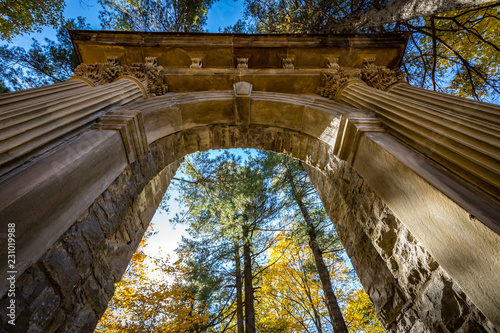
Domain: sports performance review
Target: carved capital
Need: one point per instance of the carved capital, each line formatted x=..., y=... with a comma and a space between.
x=148, y=74
x=332, y=63
x=380, y=77
x=335, y=81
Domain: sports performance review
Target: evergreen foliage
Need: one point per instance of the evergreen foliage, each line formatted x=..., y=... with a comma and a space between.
x=154, y=15
x=248, y=243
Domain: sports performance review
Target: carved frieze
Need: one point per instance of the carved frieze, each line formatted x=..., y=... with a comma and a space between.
x=242, y=63
x=148, y=74
x=196, y=62
x=380, y=77
x=288, y=63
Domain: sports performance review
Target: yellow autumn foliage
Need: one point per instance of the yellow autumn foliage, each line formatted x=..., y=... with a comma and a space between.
x=145, y=304
x=290, y=297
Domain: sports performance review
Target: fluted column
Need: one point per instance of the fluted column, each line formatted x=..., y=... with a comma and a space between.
x=35, y=120
x=459, y=107
x=463, y=142
x=461, y=139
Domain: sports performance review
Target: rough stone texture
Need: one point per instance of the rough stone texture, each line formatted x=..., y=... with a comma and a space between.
x=67, y=290
x=409, y=289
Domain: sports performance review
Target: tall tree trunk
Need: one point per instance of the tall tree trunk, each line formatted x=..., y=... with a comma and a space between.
x=317, y=316
x=336, y=317
x=239, y=290
x=332, y=304
x=249, y=292
x=400, y=11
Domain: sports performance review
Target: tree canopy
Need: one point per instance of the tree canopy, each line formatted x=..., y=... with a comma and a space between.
x=248, y=244
x=155, y=15
x=48, y=63
x=27, y=16
x=143, y=303
x=454, y=46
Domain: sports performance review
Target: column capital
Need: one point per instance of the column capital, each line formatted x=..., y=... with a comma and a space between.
x=380, y=77
x=336, y=80
x=148, y=75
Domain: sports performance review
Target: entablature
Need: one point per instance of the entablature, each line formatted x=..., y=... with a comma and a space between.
x=290, y=63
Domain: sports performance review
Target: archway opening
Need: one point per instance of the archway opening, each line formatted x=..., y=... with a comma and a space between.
x=198, y=288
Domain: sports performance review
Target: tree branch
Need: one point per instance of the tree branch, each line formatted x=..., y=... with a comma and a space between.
x=400, y=11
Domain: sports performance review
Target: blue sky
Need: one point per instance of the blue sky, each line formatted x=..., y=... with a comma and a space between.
x=222, y=14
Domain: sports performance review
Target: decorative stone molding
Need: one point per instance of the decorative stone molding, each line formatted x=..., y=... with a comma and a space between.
x=196, y=62
x=351, y=128
x=332, y=63
x=242, y=63
x=131, y=127
x=242, y=101
x=148, y=75
x=380, y=77
x=243, y=89
x=288, y=63
x=335, y=82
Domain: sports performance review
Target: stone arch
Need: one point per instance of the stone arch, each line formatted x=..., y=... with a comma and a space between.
x=68, y=286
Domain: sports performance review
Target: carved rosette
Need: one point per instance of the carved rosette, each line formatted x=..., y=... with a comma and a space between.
x=242, y=63
x=335, y=81
x=288, y=63
x=380, y=77
x=148, y=74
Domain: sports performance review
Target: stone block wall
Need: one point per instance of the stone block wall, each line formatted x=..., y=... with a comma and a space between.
x=409, y=289
x=69, y=288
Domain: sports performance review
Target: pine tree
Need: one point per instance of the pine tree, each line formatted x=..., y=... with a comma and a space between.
x=230, y=207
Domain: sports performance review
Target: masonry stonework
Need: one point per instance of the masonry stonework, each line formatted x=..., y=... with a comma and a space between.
x=69, y=288
x=409, y=289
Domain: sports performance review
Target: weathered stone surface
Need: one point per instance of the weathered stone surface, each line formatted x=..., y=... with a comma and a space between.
x=95, y=295
x=85, y=321
x=70, y=287
x=60, y=268
x=409, y=289
x=78, y=250
x=103, y=275
x=92, y=233
x=43, y=309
